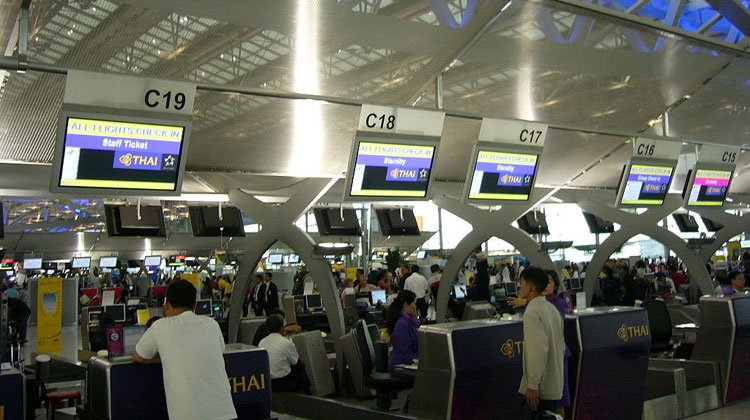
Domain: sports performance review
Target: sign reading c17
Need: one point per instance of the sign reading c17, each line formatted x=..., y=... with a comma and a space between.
x=516, y=132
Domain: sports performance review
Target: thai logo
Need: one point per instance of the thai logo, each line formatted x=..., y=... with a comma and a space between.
x=402, y=173
x=511, y=179
x=626, y=332
x=114, y=336
x=394, y=173
x=511, y=348
x=126, y=159
x=129, y=159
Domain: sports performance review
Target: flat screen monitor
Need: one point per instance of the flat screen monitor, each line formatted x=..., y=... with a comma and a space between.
x=118, y=153
x=6, y=264
x=205, y=221
x=685, y=222
x=575, y=283
x=459, y=291
x=130, y=337
x=180, y=268
x=203, y=307
x=511, y=288
x=377, y=295
x=421, y=255
x=81, y=262
x=597, y=224
x=132, y=270
x=108, y=262
x=334, y=221
x=707, y=186
x=501, y=175
x=176, y=260
x=397, y=222
x=534, y=223
x=32, y=263
x=712, y=226
x=152, y=261
x=294, y=259
x=117, y=312
x=390, y=167
x=130, y=221
x=645, y=183
x=274, y=258
x=313, y=302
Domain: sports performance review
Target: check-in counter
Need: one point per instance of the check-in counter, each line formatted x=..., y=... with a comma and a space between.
x=609, y=362
x=724, y=338
x=128, y=390
x=12, y=395
x=469, y=370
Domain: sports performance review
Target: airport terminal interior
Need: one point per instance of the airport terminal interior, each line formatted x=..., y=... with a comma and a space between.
x=358, y=198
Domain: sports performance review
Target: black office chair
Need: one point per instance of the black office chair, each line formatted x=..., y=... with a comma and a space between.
x=385, y=386
x=660, y=324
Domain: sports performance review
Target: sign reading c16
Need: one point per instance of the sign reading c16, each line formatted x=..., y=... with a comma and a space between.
x=385, y=119
x=129, y=92
x=521, y=133
x=657, y=149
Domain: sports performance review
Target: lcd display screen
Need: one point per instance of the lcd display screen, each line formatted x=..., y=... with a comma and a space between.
x=100, y=153
x=646, y=184
x=500, y=175
x=709, y=187
x=108, y=262
x=391, y=170
x=32, y=263
x=152, y=261
x=81, y=262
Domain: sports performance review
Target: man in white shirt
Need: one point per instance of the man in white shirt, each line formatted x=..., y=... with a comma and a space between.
x=190, y=349
x=417, y=284
x=543, y=344
x=287, y=370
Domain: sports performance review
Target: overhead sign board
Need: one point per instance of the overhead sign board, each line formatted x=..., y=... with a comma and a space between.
x=386, y=119
x=719, y=154
x=520, y=133
x=129, y=92
x=656, y=149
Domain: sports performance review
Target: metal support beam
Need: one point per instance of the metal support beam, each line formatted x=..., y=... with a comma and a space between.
x=674, y=12
x=734, y=12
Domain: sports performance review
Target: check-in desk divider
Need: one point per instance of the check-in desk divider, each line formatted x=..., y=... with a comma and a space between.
x=12, y=394
x=609, y=362
x=127, y=390
x=724, y=338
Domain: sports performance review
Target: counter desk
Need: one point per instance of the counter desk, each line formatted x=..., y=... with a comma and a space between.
x=12, y=395
x=128, y=390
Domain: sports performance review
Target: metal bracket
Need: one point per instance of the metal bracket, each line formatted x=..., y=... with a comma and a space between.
x=23, y=36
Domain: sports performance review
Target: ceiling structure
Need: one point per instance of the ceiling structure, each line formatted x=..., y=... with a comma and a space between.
x=599, y=72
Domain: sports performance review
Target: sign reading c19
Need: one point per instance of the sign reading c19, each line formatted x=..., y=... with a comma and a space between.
x=165, y=100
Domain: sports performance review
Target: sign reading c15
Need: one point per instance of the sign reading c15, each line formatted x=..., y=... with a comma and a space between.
x=386, y=119
x=129, y=92
x=523, y=133
x=718, y=154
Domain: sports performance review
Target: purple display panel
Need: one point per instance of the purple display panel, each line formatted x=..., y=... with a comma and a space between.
x=112, y=143
x=608, y=372
x=489, y=366
x=738, y=386
x=394, y=161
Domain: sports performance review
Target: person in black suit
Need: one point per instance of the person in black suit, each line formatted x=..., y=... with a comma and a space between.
x=256, y=295
x=269, y=293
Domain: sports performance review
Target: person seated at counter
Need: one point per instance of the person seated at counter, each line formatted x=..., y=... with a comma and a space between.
x=190, y=349
x=402, y=325
x=544, y=345
x=263, y=332
x=735, y=285
x=287, y=370
x=362, y=285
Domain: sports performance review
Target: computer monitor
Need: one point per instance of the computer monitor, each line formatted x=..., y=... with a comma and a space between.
x=421, y=255
x=313, y=302
x=575, y=284
x=108, y=262
x=117, y=312
x=81, y=262
x=152, y=261
x=32, y=263
x=130, y=337
x=274, y=258
x=294, y=259
x=203, y=307
x=377, y=295
x=511, y=288
x=459, y=291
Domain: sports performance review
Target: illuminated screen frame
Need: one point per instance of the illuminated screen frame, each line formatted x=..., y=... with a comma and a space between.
x=74, y=264
x=397, y=139
x=700, y=166
x=116, y=115
x=495, y=148
x=644, y=162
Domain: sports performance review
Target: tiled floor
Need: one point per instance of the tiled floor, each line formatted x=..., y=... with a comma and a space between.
x=732, y=412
